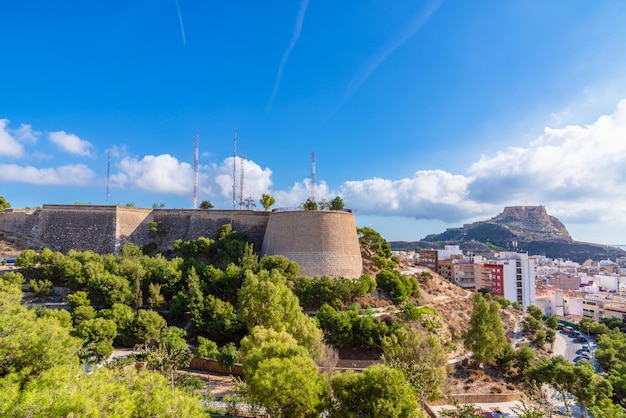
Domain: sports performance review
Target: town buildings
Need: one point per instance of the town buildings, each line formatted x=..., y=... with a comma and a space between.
x=569, y=290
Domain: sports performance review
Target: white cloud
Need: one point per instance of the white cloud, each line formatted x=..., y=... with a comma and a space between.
x=70, y=143
x=300, y=192
x=9, y=146
x=75, y=175
x=218, y=179
x=25, y=133
x=579, y=172
x=432, y=194
x=161, y=173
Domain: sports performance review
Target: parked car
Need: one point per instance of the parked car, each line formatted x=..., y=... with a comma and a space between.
x=581, y=339
x=585, y=349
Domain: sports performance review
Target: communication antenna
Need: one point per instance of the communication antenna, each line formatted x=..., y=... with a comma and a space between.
x=195, y=171
x=241, y=161
x=313, y=176
x=108, y=173
x=234, y=168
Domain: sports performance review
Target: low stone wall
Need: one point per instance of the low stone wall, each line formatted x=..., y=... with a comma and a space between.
x=465, y=398
x=210, y=365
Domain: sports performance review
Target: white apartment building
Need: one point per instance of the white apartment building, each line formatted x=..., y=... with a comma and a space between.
x=512, y=276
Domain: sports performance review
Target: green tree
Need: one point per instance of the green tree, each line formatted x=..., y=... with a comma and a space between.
x=228, y=355
x=207, y=348
x=485, y=336
x=4, y=204
x=267, y=201
x=265, y=300
x=589, y=387
x=30, y=344
x=557, y=372
x=336, y=203
x=420, y=357
x=97, y=335
x=205, y=204
x=286, y=267
x=309, y=205
x=218, y=320
x=156, y=300
x=69, y=392
x=249, y=260
x=399, y=286
x=379, y=391
x=41, y=288
x=147, y=326
x=552, y=322
x=535, y=312
x=168, y=352
x=524, y=356
x=374, y=242
x=281, y=376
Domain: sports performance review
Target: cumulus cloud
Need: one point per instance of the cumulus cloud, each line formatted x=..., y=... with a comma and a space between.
x=576, y=170
x=70, y=143
x=160, y=173
x=75, y=175
x=300, y=192
x=218, y=179
x=432, y=194
x=9, y=146
x=25, y=133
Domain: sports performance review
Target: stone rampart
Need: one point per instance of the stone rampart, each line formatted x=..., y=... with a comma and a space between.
x=321, y=242
x=80, y=227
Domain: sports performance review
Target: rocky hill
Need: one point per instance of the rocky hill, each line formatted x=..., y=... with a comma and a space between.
x=522, y=228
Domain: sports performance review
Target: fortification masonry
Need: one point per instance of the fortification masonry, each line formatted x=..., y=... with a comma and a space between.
x=322, y=242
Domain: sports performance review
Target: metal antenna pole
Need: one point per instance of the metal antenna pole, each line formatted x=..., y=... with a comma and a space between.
x=313, y=176
x=241, y=161
x=234, y=169
x=195, y=171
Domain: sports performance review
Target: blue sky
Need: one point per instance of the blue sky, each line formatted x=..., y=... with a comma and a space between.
x=422, y=114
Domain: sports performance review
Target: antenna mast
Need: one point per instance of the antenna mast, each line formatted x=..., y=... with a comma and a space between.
x=313, y=176
x=234, y=168
x=241, y=161
x=108, y=173
x=195, y=171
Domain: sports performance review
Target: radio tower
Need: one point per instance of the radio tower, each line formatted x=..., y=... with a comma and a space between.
x=313, y=176
x=195, y=171
x=108, y=173
x=241, y=161
x=234, y=168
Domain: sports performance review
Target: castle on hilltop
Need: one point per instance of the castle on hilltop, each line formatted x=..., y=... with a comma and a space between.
x=323, y=243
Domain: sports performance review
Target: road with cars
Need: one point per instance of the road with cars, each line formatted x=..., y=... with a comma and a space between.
x=577, y=346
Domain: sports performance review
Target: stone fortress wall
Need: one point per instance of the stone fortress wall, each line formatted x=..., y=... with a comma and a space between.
x=322, y=242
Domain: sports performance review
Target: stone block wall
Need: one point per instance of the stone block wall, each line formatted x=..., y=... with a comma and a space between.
x=322, y=242
x=81, y=227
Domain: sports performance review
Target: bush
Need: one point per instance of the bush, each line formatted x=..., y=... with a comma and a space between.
x=41, y=288
x=399, y=286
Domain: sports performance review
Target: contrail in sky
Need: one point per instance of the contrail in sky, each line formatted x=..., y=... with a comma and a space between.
x=292, y=43
x=375, y=60
x=180, y=18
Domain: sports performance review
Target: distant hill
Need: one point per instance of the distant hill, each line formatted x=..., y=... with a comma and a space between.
x=523, y=228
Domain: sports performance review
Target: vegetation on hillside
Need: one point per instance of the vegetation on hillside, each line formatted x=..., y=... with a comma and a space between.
x=238, y=307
